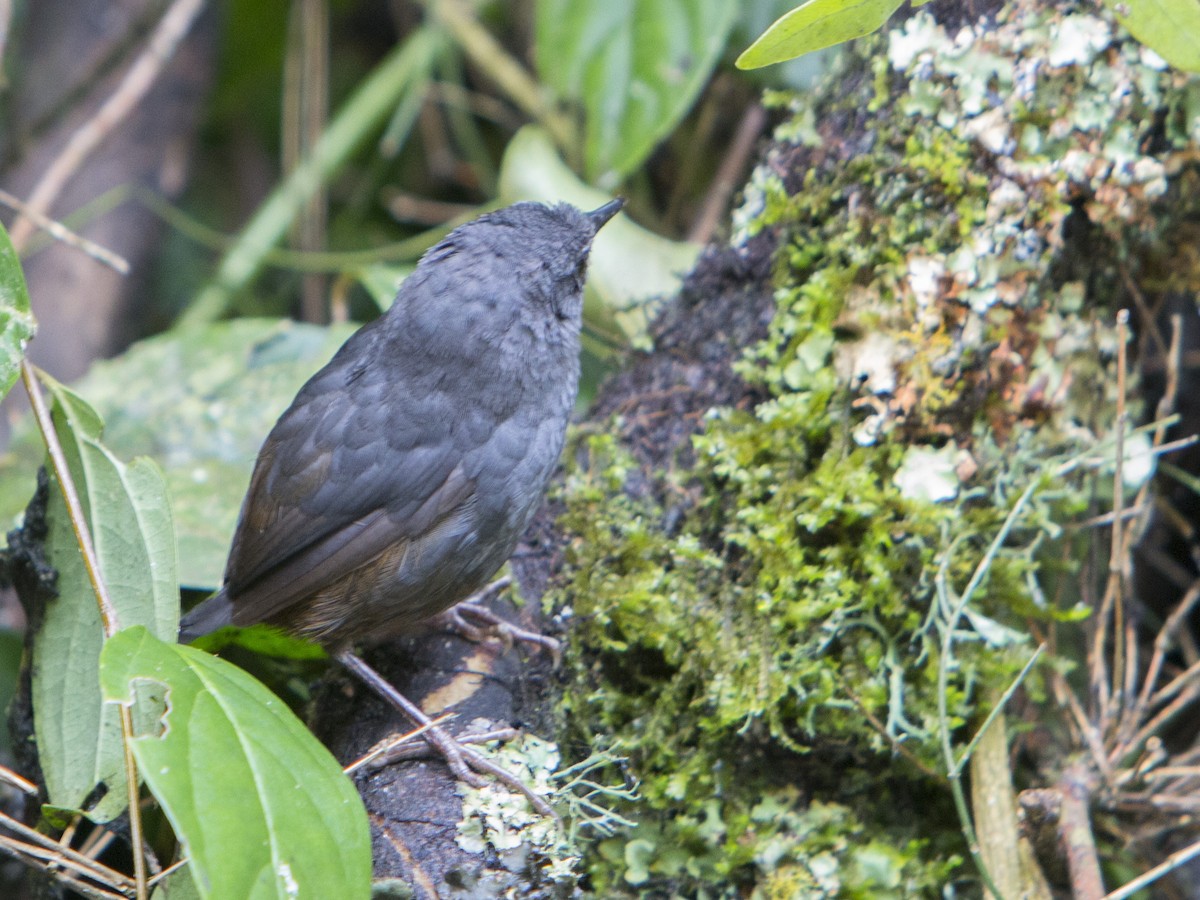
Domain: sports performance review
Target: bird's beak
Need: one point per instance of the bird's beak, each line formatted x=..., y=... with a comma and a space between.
x=605, y=212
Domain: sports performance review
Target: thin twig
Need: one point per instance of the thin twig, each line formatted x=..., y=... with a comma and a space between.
x=58, y=461
x=1130, y=691
x=97, y=841
x=66, y=856
x=390, y=744
x=965, y=757
x=53, y=865
x=305, y=110
x=1114, y=596
x=17, y=781
x=328, y=261
x=1148, y=315
x=403, y=750
x=1102, y=679
x=1154, y=802
x=6, y=14
x=1189, y=684
x=943, y=673
x=65, y=235
x=480, y=105
x=67, y=838
x=1075, y=832
x=169, y=870
x=729, y=174
x=1176, y=685
x=1166, y=403
x=1172, y=772
x=133, y=87
x=1172, y=862
x=1162, y=643
x=135, y=808
x=1133, y=714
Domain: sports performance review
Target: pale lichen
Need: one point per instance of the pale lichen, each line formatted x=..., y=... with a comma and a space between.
x=498, y=819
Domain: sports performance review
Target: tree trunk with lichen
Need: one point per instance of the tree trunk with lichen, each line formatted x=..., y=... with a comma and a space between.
x=800, y=548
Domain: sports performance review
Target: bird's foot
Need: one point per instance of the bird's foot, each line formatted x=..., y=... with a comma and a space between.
x=464, y=761
x=478, y=623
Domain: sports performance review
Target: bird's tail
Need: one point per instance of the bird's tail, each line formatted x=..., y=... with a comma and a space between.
x=215, y=612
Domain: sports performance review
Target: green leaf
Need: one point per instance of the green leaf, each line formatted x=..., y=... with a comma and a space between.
x=261, y=640
x=633, y=66
x=16, y=321
x=261, y=807
x=628, y=266
x=814, y=26
x=126, y=507
x=1171, y=28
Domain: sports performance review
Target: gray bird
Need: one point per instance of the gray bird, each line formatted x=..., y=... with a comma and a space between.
x=404, y=472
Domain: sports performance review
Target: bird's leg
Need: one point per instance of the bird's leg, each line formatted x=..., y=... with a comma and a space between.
x=487, y=624
x=461, y=759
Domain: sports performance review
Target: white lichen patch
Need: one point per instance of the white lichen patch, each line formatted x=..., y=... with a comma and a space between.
x=928, y=474
x=1077, y=39
x=924, y=278
x=871, y=363
x=1139, y=459
x=494, y=816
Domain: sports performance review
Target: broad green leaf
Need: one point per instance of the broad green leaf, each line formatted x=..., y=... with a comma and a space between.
x=816, y=25
x=200, y=405
x=629, y=265
x=126, y=507
x=262, y=808
x=1171, y=28
x=633, y=66
x=16, y=321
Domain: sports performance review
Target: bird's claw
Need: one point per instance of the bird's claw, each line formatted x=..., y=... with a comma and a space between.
x=487, y=624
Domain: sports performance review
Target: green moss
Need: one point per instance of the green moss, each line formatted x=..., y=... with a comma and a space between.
x=926, y=363
x=802, y=850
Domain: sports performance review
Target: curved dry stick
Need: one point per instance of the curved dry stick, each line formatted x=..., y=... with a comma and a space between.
x=133, y=87
x=1075, y=833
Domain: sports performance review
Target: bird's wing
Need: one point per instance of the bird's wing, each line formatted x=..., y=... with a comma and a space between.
x=323, y=561
x=348, y=471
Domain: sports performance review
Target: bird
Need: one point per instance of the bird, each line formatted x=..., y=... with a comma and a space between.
x=404, y=472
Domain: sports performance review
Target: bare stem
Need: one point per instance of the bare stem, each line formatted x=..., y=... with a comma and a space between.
x=58, y=460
